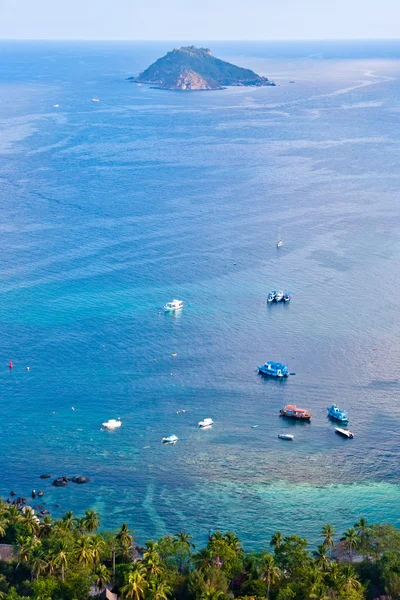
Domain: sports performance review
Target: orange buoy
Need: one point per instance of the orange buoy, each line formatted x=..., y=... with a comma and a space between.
x=11, y=364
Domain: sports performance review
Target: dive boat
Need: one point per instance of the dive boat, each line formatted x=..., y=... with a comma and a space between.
x=286, y=436
x=292, y=412
x=287, y=297
x=112, y=424
x=170, y=439
x=174, y=305
x=205, y=423
x=271, y=296
x=334, y=412
x=274, y=369
x=344, y=432
x=279, y=296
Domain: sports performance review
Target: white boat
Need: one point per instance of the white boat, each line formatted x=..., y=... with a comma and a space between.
x=279, y=243
x=286, y=436
x=56, y=105
x=205, y=423
x=174, y=305
x=112, y=424
x=170, y=439
x=344, y=433
x=95, y=100
x=279, y=296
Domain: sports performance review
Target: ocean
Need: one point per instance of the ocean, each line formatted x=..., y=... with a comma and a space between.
x=110, y=209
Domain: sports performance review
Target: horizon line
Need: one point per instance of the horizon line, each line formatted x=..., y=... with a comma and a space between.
x=346, y=39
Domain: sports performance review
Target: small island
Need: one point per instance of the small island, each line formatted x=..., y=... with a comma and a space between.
x=191, y=68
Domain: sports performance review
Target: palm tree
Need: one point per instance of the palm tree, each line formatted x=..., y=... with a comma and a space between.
x=212, y=594
x=91, y=520
x=61, y=557
x=13, y=515
x=362, y=527
x=269, y=571
x=26, y=546
x=233, y=541
x=351, y=541
x=45, y=527
x=184, y=538
x=349, y=579
x=30, y=520
x=321, y=557
x=328, y=532
x=3, y=525
x=38, y=564
x=362, y=530
x=68, y=521
x=158, y=590
x=151, y=559
x=276, y=540
x=97, y=545
x=136, y=586
x=125, y=541
x=102, y=577
x=83, y=550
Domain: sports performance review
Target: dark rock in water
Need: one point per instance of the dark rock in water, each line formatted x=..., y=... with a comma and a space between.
x=12, y=493
x=61, y=481
x=191, y=68
x=57, y=505
x=80, y=479
x=45, y=476
x=40, y=493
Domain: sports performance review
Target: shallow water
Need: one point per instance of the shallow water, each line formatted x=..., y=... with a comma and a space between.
x=109, y=210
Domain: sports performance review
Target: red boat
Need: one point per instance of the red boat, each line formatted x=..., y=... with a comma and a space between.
x=292, y=412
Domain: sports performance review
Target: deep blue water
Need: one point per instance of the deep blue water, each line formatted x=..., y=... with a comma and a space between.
x=108, y=210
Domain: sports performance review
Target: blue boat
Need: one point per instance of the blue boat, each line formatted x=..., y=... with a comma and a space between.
x=334, y=412
x=274, y=369
x=271, y=296
x=287, y=297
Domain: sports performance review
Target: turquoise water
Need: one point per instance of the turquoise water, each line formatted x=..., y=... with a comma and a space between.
x=108, y=210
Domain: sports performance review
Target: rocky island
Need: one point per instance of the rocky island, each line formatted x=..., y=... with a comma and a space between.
x=191, y=68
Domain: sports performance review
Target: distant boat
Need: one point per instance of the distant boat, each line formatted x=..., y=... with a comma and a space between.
x=285, y=436
x=271, y=296
x=292, y=412
x=170, y=439
x=279, y=296
x=56, y=105
x=279, y=243
x=344, y=433
x=334, y=412
x=287, y=297
x=112, y=424
x=174, y=305
x=205, y=423
x=274, y=369
x=95, y=100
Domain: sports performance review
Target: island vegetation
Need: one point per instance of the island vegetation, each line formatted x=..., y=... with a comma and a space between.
x=191, y=68
x=72, y=559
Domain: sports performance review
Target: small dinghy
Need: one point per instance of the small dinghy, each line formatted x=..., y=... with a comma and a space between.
x=344, y=433
x=205, y=423
x=170, y=439
x=285, y=436
x=112, y=424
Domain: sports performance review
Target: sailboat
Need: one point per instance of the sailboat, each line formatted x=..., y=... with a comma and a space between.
x=279, y=243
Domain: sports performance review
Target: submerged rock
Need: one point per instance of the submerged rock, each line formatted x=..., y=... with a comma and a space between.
x=45, y=476
x=80, y=479
x=61, y=481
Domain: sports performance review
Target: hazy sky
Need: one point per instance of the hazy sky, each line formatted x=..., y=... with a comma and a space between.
x=199, y=19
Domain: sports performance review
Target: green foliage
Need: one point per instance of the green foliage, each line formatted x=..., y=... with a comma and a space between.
x=61, y=559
